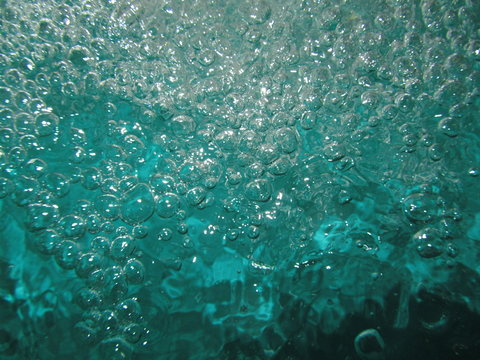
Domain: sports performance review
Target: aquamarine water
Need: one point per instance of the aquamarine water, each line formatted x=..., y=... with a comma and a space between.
x=252, y=179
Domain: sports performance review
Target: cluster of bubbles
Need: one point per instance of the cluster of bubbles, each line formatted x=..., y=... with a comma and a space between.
x=210, y=156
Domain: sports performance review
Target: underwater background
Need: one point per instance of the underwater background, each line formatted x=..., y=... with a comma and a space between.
x=251, y=179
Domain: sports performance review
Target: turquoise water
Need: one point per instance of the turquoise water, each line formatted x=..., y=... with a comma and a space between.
x=240, y=179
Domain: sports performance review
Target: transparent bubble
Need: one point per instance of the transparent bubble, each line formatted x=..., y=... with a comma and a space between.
x=26, y=190
x=94, y=224
x=448, y=126
x=139, y=231
x=132, y=333
x=474, y=171
x=183, y=125
x=168, y=205
x=138, y=204
x=35, y=168
x=17, y=156
x=134, y=271
x=88, y=263
x=73, y=226
x=267, y=153
x=369, y=344
x=428, y=243
x=83, y=207
x=5, y=96
x=100, y=245
x=420, y=207
x=256, y=11
x=7, y=138
x=129, y=310
x=115, y=349
x=133, y=146
x=404, y=102
x=226, y=140
x=280, y=166
x=190, y=172
x=24, y=124
x=108, y=227
x=92, y=178
x=162, y=183
x=88, y=298
x=47, y=30
x=334, y=151
x=111, y=186
x=46, y=124
x=122, y=247
x=165, y=234
x=67, y=254
x=435, y=152
x=79, y=56
x=109, y=322
x=57, y=184
x=458, y=66
x=127, y=183
x=249, y=141
x=13, y=78
x=6, y=118
x=258, y=190
x=42, y=216
x=122, y=170
x=182, y=228
x=336, y=100
x=450, y=93
x=30, y=142
x=46, y=242
x=196, y=195
x=6, y=187
x=85, y=334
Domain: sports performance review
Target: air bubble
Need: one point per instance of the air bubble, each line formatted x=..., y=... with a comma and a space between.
x=258, y=190
x=196, y=195
x=79, y=56
x=448, y=126
x=132, y=333
x=100, y=245
x=24, y=124
x=88, y=263
x=183, y=125
x=85, y=334
x=420, y=207
x=5, y=96
x=47, y=241
x=428, y=243
x=57, y=184
x=134, y=271
x=168, y=205
x=46, y=124
x=42, y=216
x=122, y=247
x=138, y=204
x=369, y=345
x=67, y=254
x=6, y=187
x=92, y=178
x=73, y=226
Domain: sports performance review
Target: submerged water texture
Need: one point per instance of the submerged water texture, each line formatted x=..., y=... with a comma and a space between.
x=239, y=179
